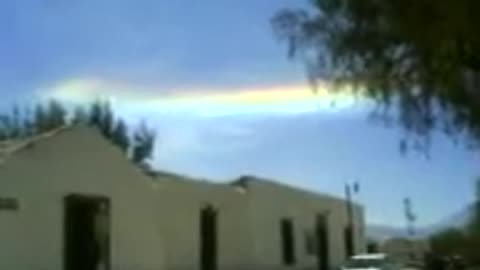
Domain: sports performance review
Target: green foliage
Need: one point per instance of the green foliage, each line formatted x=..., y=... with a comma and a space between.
x=28, y=125
x=40, y=119
x=106, y=120
x=143, y=143
x=5, y=127
x=17, y=124
x=10, y=124
x=141, y=148
x=101, y=117
x=120, y=136
x=421, y=58
x=474, y=224
x=453, y=242
x=448, y=242
x=80, y=116
x=21, y=123
x=477, y=204
x=464, y=242
x=56, y=114
x=48, y=117
x=95, y=115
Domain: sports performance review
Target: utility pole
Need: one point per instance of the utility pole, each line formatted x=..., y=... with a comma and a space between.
x=411, y=218
x=350, y=230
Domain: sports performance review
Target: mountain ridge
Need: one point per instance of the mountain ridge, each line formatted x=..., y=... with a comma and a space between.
x=456, y=220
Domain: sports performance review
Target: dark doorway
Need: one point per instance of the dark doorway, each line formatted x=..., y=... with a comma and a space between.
x=372, y=247
x=349, y=245
x=288, y=241
x=323, y=251
x=86, y=233
x=208, y=238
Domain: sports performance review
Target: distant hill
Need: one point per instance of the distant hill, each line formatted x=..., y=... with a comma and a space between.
x=456, y=220
x=383, y=232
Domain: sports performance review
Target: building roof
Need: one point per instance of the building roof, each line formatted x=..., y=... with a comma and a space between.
x=11, y=146
x=246, y=180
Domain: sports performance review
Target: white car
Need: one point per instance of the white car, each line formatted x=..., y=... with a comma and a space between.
x=377, y=261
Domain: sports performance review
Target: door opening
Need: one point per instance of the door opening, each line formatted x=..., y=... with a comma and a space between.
x=86, y=233
x=349, y=245
x=323, y=251
x=208, y=238
x=288, y=241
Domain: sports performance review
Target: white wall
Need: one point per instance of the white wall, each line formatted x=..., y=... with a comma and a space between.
x=271, y=202
x=155, y=223
x=180, y=203
x=75, y=161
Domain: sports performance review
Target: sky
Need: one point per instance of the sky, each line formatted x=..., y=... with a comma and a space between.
x=225, y=100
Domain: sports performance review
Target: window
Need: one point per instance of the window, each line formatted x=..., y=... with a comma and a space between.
x=288, y=241
x=10, y=204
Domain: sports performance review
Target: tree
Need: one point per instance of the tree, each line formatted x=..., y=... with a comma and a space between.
x=40, y=119
x=16, y=122
x=106, y=120
x=3, y=129
x=421, y=58
x=56, y=115
x=95, y=114
x=143, y=144
x=101, y=117
x=476, y=217
x=474, y=229
x=80, y=116
x=449, y=242
x=48, y=117
x=120, y=136
x=461, y=241
x=28, y=128
x=52, y=115
x=6, y=127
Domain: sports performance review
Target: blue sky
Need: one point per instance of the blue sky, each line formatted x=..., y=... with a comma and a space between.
x=210, y=76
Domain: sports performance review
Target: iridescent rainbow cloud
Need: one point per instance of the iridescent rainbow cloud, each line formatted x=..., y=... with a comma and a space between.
x=293, y=98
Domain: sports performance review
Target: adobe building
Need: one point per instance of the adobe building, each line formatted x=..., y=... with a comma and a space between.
x=70, y=200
